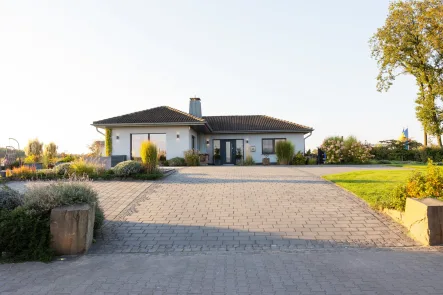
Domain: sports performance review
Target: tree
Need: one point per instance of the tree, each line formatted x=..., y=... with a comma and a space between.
x=34, y=150
x=411, y=42
x=96, y=148
x=51, y=150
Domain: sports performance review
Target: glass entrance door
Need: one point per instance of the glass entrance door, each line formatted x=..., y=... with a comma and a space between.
x=227, y=151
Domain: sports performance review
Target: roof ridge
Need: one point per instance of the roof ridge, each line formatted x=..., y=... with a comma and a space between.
x=289, y=122
x=184, y=113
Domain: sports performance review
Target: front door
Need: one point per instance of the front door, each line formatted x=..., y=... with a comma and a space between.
x=227, y=151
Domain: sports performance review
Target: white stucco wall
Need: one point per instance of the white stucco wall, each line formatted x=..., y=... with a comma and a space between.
x=174, y=147
x=256, y=140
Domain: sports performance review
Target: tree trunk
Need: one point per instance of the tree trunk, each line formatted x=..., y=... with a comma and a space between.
x=439, y=140
x=425, y=139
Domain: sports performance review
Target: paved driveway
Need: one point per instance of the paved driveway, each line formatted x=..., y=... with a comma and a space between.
x=200, y=208
x=237, y=230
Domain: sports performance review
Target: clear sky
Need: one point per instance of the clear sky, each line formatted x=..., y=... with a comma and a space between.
x=64, y=64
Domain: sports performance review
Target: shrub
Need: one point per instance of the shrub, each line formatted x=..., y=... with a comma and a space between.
x=312, y=161
x=25, y=236
x=148, y=153
x=34, y=148
x=192, y=158
x=66, y=159
x=9, y=199
x=161, y=156
x=177, y=161
x=285, y=151
x=62, y=169
x=298, y=159
x=25, y=232
x=249, y=161
x=23, y=172
x=127, y=168
x=31, y=159
x=419, y=185
x=345, y=151
x=82, y=168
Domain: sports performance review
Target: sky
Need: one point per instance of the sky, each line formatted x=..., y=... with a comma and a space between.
x=65, y=64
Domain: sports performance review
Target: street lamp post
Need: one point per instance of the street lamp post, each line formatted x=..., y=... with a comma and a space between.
x=18, y=146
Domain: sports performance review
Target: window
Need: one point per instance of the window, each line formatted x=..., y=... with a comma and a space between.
x=193, y=142
x=136, y=140
x=268, y=144
x=216, y=145
x=239, y=146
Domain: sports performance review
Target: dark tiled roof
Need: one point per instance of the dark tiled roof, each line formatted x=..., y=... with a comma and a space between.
x=252, y=123
x=157, y=115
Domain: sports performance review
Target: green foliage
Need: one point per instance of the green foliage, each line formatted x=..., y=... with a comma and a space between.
x=312, y=161
x=24, y=236
x=82, y=168
x=148, y=153
x=345, y=151
x=24, y=231
x=51, y=150
x=108, y=142
x=410, y=43
x=285, y=152
x=152, y=176
x=298, y=159
x=34, y=150
x=62, y=169
x=419, y=185
x=217, y=155
x=66, y=159
x=249, y=161
x=9, y=199
x=192, y=158
x=127, y=168
x=177, y=161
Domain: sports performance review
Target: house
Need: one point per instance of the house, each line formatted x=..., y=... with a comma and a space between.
x=175, y=131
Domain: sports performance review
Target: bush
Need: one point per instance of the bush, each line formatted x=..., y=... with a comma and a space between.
x=9, y=199
x=192, y=158
x=25, y=231
x=284, y=151
x=177, y=161
x=62, y=169
x=82, y=168
x=419, y=185
x=298, y=159
x=312, y=161
x=127, y=168
x=249, y=161
x=25, y=236
x=148, y=153
x=23, y=172
x=345, y=151
x=66, y=159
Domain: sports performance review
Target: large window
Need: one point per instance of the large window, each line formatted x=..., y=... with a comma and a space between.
x=268, y=145
x=136, y=139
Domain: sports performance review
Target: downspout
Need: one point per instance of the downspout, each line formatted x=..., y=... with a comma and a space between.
x=310, y=133
x=96, y=128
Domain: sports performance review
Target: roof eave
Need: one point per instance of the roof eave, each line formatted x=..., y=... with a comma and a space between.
x=147, y=124
x=304, y=131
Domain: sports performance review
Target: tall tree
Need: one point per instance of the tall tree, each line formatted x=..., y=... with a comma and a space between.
x=410, y=42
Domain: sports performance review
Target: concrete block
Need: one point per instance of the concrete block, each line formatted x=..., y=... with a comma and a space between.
x=424, y=220
x=72, y=229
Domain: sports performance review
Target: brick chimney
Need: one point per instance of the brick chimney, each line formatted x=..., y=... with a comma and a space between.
x=195, y=107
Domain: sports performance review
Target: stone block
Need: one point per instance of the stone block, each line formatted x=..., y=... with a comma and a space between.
x=424, y=220
x=72, y=229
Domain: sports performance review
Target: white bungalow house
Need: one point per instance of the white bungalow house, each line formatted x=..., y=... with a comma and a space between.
x=175, y=132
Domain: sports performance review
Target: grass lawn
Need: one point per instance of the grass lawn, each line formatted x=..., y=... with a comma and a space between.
x=373, y=184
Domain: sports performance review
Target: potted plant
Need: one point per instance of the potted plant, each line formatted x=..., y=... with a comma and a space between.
x=266, y=160
x=217, y=157
x=238, y=157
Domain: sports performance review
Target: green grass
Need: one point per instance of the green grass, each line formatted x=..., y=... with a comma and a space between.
x=373, y=184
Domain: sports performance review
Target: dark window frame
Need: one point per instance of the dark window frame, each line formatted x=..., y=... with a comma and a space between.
x=193, y=142
x=130, y=140
x=273, y=145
